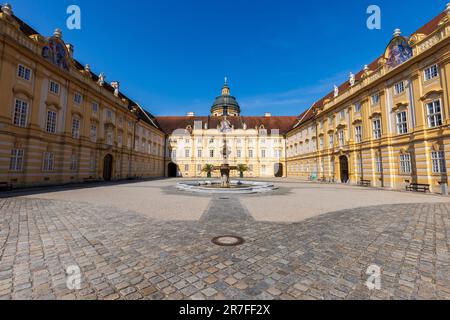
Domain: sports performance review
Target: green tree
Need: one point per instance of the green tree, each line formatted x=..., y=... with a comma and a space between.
x=208, y=168
x=242, y=168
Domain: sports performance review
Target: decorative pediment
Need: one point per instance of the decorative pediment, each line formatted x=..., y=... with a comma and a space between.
x=357, y=121
x=398, y=51
x=431, y=94
x=56, y=51
x=400, y=105
x=375, y=114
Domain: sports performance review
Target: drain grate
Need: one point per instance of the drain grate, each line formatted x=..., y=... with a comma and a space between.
x=228, y=241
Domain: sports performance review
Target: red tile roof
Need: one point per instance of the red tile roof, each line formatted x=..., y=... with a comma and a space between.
x=284, y=124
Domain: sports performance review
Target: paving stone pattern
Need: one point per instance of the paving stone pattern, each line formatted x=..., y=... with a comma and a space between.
x=125, y=255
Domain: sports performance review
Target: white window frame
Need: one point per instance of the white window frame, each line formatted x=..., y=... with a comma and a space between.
x=401, y=119
x=431, y=72
x=20, y=116
x=358, y=107
x=438, y=162
x=375, y=99
x=52, y=120
x=434, y=116
x=48, y=162
x=93, y=133
x=405, y=163
x=399, y=88
x=379, y=163
x=16, y=161
x=331, y=140
x=24, y=72
x=341, y=137
x=358, y=134
x=76, y=127
x=78, y=98
x=74, y=163
x=95, y=107
x=54, y=87
x=377, y=132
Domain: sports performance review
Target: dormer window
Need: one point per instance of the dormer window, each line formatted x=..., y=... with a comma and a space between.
x=399, y=88
x=431, y=72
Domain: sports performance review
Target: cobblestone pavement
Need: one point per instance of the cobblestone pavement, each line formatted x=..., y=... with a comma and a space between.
x=125, y=255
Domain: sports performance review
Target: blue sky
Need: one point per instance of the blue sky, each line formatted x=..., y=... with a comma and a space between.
x=280, y=56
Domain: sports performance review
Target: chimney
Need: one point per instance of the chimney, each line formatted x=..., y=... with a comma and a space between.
x=268, y=115
x=190, y=114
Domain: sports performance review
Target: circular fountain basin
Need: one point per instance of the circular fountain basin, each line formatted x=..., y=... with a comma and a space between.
x=236, y=187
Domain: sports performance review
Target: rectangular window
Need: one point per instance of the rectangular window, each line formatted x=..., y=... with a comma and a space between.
x=358, y=134
x=379, y=164
x=120, y=140
x=187, y=153
x=358, y=107
x=377, y=129
x=434, y=114
x=24, y=72
x=238, y=153
x=186, y=168
x=263, y=154
x=51, y=121
x=174, y=154
x=109, y=137
x=359, y=164
x=16, y=161
x=20, y=113
x=341, y=136
x=109, y=115
x=93, y=133
x=74, y=163
x=199, y=153
x=405, y=163
x=78, y=98
x=93, y=162
x=54, y=87
x=402, y=125
x=331, y=140
x=48, y=161
x=211, y=153
x=250, y=153
x=431, y=72
x=342, y=114
x=399, y=88
x=94, y=107
x=76, y=128
x=438, y=161
x=375, y=99
x=199, y=168
x=321, y=142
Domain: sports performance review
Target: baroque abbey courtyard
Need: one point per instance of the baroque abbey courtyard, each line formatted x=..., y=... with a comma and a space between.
x=347, y=199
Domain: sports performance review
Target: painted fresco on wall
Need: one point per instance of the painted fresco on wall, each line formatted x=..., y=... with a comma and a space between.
x=56, y=52
x=398, y=52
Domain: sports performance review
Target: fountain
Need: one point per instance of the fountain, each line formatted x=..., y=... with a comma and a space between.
x=226, y=185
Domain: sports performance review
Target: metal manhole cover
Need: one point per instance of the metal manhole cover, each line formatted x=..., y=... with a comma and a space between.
x=228, y=241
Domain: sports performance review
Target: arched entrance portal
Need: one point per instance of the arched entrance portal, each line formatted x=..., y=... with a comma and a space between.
x=343, y=162
x=172, y=170
x=278, y=169
x=107, y=167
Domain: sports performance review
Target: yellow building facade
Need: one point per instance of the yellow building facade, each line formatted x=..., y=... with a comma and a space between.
x=60, y=122
x=388, y=125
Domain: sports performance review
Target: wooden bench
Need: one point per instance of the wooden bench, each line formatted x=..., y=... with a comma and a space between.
x=365, y=183
x=418, y=187
x=90, y=180
x=5, y=186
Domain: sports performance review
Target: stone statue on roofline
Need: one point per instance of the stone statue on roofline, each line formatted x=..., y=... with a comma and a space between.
x=336, y=91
